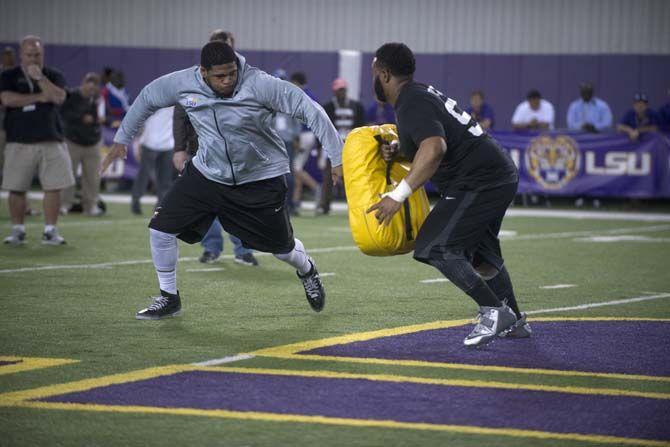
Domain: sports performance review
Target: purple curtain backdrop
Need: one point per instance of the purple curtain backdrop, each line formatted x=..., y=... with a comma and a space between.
x=505, y=79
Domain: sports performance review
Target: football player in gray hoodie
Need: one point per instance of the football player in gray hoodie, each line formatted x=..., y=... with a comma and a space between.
x=238, y=173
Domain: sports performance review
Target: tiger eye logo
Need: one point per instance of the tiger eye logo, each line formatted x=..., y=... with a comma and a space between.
x=552, y=162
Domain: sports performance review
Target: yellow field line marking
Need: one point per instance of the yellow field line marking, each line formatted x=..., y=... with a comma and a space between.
x=291, y=351
x=25, y=399
x=276, y=417
x=443, y=382
x=30, y=363
x=13, y=398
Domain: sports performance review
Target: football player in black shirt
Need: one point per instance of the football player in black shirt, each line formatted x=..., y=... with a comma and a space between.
x=477, y=181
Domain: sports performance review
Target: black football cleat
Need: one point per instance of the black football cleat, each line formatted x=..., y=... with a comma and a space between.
x=314, y=291
x=165, y=305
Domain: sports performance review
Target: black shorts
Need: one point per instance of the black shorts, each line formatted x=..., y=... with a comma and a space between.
x=254, y=212
x=468, y=221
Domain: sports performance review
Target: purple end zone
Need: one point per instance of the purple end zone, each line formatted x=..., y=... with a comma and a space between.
x=9, y=362
x=404, y=402
x=627, y=347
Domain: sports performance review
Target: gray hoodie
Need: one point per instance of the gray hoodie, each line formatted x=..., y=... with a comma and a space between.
x=237, y=140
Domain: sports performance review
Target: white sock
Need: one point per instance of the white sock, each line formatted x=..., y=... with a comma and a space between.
x=19, y=227
x=49, y=228
x=164, y=252
x=297, y=258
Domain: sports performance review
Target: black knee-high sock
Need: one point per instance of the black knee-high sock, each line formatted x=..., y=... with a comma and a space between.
x=501, y=284
x=460, y=272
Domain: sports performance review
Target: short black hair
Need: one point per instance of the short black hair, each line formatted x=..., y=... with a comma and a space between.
x=397, y=57
x=219, y=34
x=299, y=78
x=534, y=94
x=216, y=53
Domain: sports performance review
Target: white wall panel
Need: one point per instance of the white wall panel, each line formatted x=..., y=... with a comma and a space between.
x=429, y=26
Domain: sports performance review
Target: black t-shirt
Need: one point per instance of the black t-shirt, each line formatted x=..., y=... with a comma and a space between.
x=73, y=110
x=37, y=122
x=473, y=162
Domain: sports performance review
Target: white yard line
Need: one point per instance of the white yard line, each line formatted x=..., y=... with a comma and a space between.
x=512, y=212
x=587, y=233
x=105, y=265
x=559, y=286
x=239, y=357
x=327, y=274
x=570, y=234
x=605, y=303
x=224, y=360
x=213, y=269
x=430, y=281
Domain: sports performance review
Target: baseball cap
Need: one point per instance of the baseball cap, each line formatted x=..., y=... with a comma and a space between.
x=640, y=97
x=339, y=83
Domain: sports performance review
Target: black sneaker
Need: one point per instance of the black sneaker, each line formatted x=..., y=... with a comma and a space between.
x=208, y=257
x=247, y=259
x=314, y=291
x=165, y=305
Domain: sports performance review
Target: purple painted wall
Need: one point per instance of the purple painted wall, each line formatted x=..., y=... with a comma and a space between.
x=505, y=79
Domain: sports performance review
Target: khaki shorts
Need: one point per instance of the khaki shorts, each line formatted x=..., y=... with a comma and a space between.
x=51, y=161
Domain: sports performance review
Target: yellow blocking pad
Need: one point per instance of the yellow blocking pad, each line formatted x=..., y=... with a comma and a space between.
x=29, y=363
x=25, y=399
x=291, y=351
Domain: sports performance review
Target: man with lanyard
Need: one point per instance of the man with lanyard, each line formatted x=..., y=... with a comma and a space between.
x=476, y=179
x=238, y=173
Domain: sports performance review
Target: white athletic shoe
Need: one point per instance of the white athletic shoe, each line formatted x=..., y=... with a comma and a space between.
x=493, y=321
x=17, y=237
x=52, y=238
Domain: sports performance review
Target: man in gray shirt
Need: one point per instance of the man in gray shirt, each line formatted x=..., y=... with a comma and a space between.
x=238, y=172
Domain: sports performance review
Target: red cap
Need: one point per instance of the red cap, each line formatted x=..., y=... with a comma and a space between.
x=339, y=83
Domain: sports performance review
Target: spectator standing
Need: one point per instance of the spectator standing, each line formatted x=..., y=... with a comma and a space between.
x=664, y=115
x=156, y=145
x=117, y=100
x=345, y=114
x=535, y=113
x=481, y=111
x=289, y=130
x=306, y=142
x=83, y=133
x=31, y=94
x=640, y=119
x=8, y=61
x=589, y=113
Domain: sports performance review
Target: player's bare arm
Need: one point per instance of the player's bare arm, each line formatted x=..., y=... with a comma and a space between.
x=426, y=162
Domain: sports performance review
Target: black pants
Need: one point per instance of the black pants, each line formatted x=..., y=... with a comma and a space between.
x=254, y=212
x=467, y=221
x=157, y=166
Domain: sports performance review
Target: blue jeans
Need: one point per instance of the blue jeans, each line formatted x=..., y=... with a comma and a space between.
x=213, y=241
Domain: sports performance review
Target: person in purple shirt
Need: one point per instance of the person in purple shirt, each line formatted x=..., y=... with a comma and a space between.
x=379, y=113
x=664, y=115
x=640, y=119
x=480, y=111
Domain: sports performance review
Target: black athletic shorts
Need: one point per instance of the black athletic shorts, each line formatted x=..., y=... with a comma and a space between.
x=254, y=212
x=467, y=221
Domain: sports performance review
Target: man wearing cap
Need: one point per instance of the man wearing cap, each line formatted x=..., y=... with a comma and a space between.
x=346, y=114
x=535, y=113
x=588, y=113
x=640, y=119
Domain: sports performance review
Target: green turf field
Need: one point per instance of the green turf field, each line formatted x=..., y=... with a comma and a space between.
x=78, y=302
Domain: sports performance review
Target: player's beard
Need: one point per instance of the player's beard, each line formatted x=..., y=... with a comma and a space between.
x=379, y=91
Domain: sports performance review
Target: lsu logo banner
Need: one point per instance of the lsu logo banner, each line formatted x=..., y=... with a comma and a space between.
x=552, y=161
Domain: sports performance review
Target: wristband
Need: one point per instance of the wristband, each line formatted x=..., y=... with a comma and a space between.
x=400, y=193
